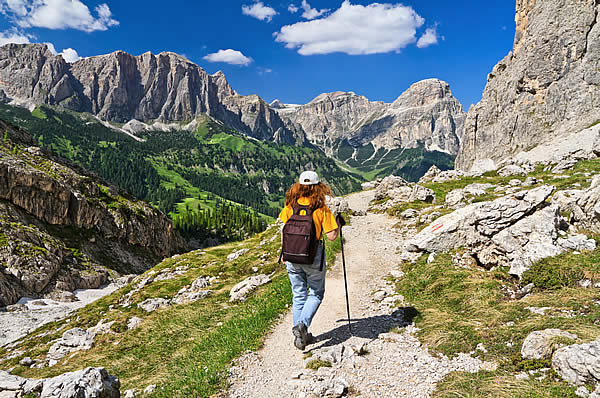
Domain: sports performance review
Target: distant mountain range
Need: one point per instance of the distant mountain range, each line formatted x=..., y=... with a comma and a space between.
x=139, y=91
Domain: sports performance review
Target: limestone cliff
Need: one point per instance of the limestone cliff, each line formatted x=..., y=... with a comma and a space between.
x=63, y=229
x=546, y=87
x=425, y=114
x=120, y=87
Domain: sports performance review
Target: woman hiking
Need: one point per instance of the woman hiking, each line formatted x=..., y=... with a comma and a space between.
x=306, y=271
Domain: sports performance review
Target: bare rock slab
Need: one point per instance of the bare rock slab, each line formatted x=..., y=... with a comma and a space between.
x=541, y=343
x=242, y=289
x=578, y=364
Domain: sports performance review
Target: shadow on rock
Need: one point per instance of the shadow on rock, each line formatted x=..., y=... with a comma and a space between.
x=366, y=328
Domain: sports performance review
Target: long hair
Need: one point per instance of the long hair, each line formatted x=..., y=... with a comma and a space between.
x=315, y=193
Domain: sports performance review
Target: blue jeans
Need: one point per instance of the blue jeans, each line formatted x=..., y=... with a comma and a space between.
x=308, y=287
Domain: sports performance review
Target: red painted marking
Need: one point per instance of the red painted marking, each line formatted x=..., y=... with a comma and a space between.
x=436, y=227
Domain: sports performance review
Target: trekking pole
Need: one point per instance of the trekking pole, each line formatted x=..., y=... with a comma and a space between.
x=342, y=222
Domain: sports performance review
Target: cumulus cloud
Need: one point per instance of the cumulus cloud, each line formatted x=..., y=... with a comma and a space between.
x=292, y=8
x=68, y=54
x=311, y=13
x=428, y=38
x=259, y=11
x=229, y=56
x=13, y=37
x=354, y=30
x=57, y=14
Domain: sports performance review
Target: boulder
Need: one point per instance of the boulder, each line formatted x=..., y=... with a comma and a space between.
x=153, y=304
x=422, y=194
x=76, y=339
x=241, y=290
x=369, y=185
x=478, y=222
x=542, y=343
x=134, y=322
x=236, y=254
x=89, y=382
x=433, y=172
x=388, y=185
x=578, y=364
x=455, y=198
x=511, y=170
x=337, y=205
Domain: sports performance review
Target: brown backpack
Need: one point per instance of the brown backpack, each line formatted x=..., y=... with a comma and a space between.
x=300, y=243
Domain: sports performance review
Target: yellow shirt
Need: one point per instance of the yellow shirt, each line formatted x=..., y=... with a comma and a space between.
x=323, y=217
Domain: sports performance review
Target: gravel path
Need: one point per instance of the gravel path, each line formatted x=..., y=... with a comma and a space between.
x=371, y=363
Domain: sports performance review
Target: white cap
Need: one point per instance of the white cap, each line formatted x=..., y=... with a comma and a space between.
x=308, y=178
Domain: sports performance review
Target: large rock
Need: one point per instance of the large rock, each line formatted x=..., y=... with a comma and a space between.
x=152, y=304
x=242, y=289
x=545, y=88
x=89, y=382
x=515, y=231
x=120, y=87
x=478, y=222
x=76, y=339
x=542, y=343
x=578, y=364
x=426, y=113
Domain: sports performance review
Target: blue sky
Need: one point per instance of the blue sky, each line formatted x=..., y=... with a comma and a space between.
x=362, y=46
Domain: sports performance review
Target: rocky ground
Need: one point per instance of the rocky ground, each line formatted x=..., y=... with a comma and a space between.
x=29, y=314
x=366, y=363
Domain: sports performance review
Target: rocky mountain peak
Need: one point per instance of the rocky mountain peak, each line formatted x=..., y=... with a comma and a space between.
x=120, y=87
x=426, y=114
x=423, y=93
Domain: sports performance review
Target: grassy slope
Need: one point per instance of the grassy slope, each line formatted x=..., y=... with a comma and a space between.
x=185, y=349
x=460, y=308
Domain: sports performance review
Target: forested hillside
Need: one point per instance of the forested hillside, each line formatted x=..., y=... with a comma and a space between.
x=214, y=182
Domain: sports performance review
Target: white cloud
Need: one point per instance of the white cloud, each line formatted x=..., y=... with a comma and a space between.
x=292, y=8
x=311, y=13
x=13, y=37
x=57, y=14
x=68, y=54
x=264, y=71
x=229, y=56
x=259, y=11
x=355, y=30
x=428, y=38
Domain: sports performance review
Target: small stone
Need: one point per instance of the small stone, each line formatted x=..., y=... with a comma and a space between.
x=380, y=295
x=27, y=361
x=134, y=322
x=397, y=274
x=130, y=393
x=150, y=389
x=582, y=392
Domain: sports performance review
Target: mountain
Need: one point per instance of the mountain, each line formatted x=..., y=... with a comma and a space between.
x=119, y=87
x=62, y=228
x=421, y=128
x=201, y=174
x=426, y=113
x=546, y=87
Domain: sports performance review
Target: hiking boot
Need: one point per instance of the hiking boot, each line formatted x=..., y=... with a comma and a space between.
x=300, y=335
x=310, y=339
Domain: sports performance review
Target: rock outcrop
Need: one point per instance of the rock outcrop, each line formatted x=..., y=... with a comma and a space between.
x=426, y=114
x=120, y=87
x=542, y=343
x=89, y=382
x=578, y=364
x=61, y=227
x=545, y=88
x=515, y=230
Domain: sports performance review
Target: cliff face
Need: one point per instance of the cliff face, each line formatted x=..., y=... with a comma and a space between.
x=120, y=87
x=426, y=114
x=548, y=86
x=62, y=229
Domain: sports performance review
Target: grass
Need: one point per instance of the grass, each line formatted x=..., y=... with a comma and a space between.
x=185, y=349
x=315, y=364
x=459, y=308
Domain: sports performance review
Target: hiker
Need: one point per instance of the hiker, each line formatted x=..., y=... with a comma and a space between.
x=305, y=257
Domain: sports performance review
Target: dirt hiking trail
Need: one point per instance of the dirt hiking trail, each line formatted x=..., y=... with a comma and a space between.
x=371, y=363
